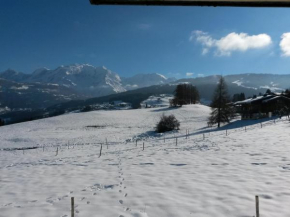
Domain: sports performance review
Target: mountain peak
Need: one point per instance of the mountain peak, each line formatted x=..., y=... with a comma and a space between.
x=145, y=80
x=162, y=76
x=88, y=79
x=10, y=71
x=12, y=75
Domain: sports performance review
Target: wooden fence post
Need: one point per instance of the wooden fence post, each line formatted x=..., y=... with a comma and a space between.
x=245, y=129
x=261, y=125
x=101, y=150
x=203, y=137
x=56, y=151
x=226, y=132
x=72, y=206
x=257, y=206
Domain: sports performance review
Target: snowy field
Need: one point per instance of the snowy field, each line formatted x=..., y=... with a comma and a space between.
x=209, y=174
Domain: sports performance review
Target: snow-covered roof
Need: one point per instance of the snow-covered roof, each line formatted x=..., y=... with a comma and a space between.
x=270, y=99
x=258, y=98
x=263, y=99
x=276, y=97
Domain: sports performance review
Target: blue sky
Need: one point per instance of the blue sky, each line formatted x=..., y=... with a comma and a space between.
x=174, y=41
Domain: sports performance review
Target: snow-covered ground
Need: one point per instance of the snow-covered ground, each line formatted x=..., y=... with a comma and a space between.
x=217, y=175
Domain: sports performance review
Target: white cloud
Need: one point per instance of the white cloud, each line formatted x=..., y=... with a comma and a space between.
x=189, y=74
x=285, y=44
x=200, y=75
x=230, y=43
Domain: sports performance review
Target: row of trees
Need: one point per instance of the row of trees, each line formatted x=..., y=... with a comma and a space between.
x=221, y=105
x=239, y=97
x=2, y=122
x=185, y=94
x=222, y=111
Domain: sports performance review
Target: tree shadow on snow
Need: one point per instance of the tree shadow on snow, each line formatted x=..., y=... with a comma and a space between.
x=152, y=133
x=234, y=125
x=165, y=109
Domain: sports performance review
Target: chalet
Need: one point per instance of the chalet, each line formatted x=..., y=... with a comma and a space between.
x=125, y=104
x=263, y=106
x=117, y=102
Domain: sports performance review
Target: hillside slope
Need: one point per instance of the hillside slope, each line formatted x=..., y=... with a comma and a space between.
x=215, y=176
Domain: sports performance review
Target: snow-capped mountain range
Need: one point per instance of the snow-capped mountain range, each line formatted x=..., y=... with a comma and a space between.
x=86, y=79
x=70, y=87
x=145, y=80
x=258, y=82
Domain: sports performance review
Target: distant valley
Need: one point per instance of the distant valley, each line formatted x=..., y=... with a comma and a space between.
x=71, y=87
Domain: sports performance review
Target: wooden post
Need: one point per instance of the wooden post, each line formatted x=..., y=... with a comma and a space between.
x=176, y=141
x=203, y=136
x=23, y=151
x=101, y=150
x=143, y=146
x=245, y=129
x=56, y=151
x=226, y=132
x=261, y=125
x=257, y=207
x=72, y=206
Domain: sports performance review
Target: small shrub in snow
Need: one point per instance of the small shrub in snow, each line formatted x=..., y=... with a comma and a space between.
x=167, y=123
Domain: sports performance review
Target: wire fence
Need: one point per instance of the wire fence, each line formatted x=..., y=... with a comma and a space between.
x=189, y=135
x=163, y=141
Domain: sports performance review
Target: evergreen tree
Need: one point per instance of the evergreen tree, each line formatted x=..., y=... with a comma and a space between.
x=2, y=122
x=221, y=110
x=185, y=94
x=268, y=91
x=242, y=97
x=239, y=97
